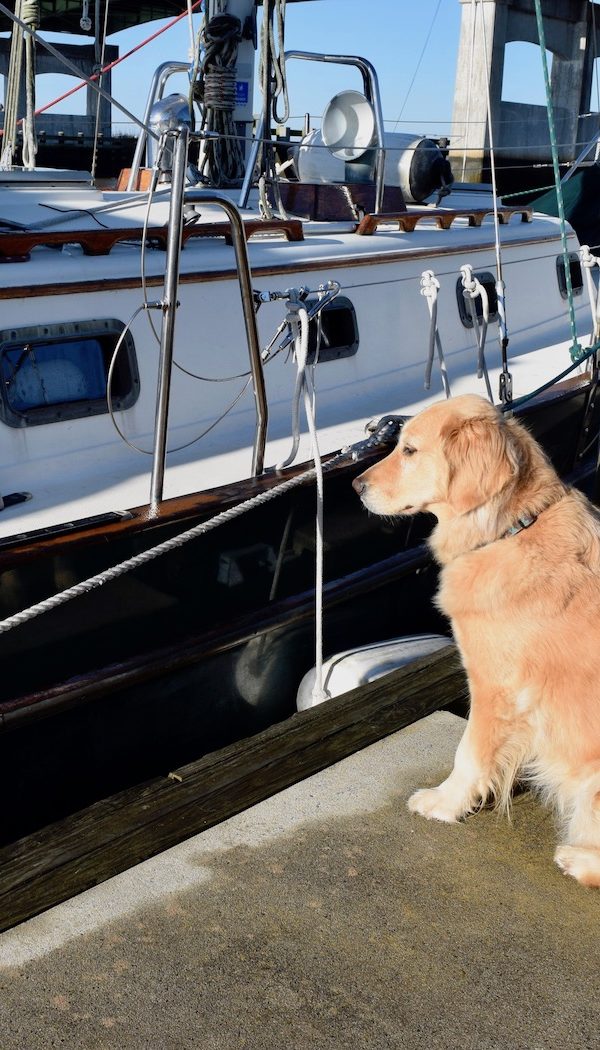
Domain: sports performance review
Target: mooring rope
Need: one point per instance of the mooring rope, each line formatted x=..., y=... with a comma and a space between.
x=222, y=159
x=473, y=289
x=22, y=43
x=519, y=401
x=430, y=287
x=31, y=15
x=138, y=560
x=299, y=322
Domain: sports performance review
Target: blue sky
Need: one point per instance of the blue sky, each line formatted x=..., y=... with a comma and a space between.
x=412, y=44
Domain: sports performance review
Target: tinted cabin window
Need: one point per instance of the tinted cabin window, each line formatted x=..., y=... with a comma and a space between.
x=339, y=331
x=574, y=270
x=54, y=372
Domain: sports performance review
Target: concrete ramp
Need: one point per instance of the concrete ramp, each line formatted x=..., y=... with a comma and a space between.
x=325, y=917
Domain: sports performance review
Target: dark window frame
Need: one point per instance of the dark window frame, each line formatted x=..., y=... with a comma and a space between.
x=335, y=351
x=105, y=331
x=577, y=283
x=487, y=279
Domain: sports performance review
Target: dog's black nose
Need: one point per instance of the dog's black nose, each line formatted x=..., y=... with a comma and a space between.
x=359, y=485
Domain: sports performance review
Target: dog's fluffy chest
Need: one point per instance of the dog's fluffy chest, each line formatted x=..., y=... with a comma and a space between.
x=471, y=585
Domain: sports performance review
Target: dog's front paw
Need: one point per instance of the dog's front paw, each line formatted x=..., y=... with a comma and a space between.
x=434, y=804
x=581, y=863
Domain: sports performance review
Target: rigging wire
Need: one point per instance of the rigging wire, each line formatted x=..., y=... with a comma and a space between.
x=116, y=62
x=111, y=408
x=100, y=53
x=469, y=88
x=505, y=376
x=418, y=65
x=575, y=347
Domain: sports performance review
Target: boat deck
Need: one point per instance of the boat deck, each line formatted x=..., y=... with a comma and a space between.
x=325, y=916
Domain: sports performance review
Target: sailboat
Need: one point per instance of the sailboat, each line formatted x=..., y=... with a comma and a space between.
x=161, y=342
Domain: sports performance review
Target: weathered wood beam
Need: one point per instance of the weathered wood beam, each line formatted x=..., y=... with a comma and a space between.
x=112, y=835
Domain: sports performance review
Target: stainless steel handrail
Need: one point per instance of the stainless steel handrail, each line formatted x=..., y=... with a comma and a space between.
x=181, y=197
x=371, y=88
x=157, y=87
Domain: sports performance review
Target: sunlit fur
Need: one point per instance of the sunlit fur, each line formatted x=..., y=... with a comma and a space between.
x=525, y=611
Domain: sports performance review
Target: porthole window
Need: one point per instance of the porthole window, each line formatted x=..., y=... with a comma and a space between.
x=574, y=270
x=59, y=371
x=489, y=283
x=339, y=331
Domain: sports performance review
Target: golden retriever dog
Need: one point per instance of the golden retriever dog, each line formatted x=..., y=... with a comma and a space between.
x=520, y=581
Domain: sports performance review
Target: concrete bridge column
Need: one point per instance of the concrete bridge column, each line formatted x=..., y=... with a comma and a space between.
x=520, y=130
x=83, y=56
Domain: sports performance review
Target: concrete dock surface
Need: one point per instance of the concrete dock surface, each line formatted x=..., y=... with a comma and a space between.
x=325, y=918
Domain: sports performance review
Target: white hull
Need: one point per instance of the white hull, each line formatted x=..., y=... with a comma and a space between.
x=80, y=467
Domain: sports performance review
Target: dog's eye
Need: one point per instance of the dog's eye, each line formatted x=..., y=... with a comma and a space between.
x=409, y=450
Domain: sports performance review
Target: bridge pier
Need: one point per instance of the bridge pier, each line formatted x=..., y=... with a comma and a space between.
x=520, y=130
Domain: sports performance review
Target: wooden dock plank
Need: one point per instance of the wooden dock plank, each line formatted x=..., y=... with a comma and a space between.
x=110, y=836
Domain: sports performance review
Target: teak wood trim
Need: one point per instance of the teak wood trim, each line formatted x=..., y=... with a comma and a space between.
x=110, y=836
x=295, y=266
x=16, y=247
x=443, y=218
x=143, y=180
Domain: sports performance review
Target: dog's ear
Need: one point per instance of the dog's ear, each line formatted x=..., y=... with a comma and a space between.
x=482, y=458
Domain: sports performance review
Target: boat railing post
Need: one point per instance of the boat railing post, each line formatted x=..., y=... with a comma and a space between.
x=172, y=263
x=250, y=166
x=195, y=196
x=371, y=86
x=180, y=197
x=159, y=79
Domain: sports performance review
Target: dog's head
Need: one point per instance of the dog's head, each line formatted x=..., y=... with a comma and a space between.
x=450, y=459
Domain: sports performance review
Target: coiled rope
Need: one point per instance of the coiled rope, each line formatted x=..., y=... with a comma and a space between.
x=272, y=61
x=22, y=43
x=222, y=159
